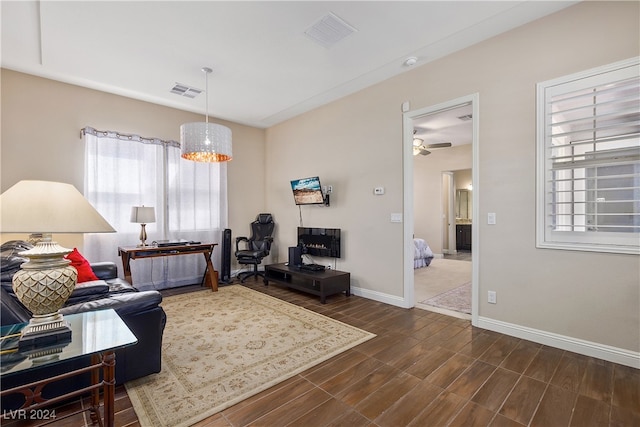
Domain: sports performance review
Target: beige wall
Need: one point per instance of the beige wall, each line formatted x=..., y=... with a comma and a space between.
x=356, y=144
x=41, y=122
x=463, y=179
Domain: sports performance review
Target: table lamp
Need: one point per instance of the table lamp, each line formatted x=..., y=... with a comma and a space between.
x=45, y=282
x=143, y=215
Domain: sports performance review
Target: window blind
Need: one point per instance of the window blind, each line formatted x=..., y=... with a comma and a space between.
x=591, y=158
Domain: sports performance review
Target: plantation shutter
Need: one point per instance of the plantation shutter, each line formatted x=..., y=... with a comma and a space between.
x=592, y=159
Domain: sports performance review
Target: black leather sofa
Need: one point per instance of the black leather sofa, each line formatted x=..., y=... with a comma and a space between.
x=140, y=311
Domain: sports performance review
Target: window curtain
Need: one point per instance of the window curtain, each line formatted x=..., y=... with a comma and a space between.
x=190, y=201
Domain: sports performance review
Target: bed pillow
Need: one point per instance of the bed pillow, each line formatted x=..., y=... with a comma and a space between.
x=85, y=273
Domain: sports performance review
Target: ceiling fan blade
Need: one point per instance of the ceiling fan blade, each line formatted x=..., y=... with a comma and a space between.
x=439, y=145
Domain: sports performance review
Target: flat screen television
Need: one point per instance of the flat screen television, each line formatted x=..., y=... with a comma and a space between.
x=307, y=191
x=323, y=242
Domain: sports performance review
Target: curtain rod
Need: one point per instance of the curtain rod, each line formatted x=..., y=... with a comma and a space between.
x=126, y=137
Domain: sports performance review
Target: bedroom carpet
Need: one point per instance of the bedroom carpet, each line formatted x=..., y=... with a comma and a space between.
x=222, y=347
x=441, y=276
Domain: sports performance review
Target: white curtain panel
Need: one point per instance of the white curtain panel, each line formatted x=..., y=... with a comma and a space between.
x=190, y=200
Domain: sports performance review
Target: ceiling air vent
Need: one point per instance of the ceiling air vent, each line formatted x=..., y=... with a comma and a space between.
x=329, y=30
x=466, y=117
x=184, y=90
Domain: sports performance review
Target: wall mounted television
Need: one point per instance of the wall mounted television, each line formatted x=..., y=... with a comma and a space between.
x=307, y=191
x=323, y=242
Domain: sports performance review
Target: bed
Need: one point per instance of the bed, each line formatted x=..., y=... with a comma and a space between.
x=422, y=255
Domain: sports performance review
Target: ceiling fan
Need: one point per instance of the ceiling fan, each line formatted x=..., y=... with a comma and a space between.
x=419, y=147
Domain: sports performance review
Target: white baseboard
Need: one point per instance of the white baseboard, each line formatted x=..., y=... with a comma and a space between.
x=380, y=297
x=576, y=345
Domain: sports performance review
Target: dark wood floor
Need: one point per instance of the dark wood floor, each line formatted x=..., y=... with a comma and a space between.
x=427, y=369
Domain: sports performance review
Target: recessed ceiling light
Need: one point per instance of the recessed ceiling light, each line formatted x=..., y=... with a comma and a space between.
x=410, y=61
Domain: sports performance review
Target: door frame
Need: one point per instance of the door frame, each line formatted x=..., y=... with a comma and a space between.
x=408, y=204
x=450, y=217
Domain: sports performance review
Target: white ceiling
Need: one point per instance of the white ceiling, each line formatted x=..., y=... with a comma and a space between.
x=265, y=69
x=450, y=125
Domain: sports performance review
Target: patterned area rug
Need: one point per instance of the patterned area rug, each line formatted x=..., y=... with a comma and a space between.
x=456, y=299
x=222, y=347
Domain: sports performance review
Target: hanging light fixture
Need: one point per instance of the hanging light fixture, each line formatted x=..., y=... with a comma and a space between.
x=205, y=142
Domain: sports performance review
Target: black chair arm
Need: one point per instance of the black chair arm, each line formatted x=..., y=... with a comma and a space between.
x=267, y=244
x=132, y=302
x=88, y=291
x=105, y=270
x=12, y=310
x=240, y=239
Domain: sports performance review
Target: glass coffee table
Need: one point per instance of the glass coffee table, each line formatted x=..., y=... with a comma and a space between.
x=96, y=334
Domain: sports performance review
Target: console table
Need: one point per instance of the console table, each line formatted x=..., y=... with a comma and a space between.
x=210, y=278
x=97, y=334
x=321, y=283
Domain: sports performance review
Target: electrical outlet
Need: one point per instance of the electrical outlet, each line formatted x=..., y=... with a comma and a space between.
x=328, y=266
x=492, y=297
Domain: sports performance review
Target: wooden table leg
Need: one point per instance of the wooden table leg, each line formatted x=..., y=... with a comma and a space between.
x=109, y=379
x=126, y=266
x=212, y=274
x=95, y=393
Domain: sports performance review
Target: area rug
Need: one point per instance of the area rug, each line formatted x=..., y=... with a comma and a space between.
x=456, y=299
x=220, y=348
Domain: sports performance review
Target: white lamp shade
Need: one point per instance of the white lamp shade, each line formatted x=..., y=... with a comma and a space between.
x=143, y=214
x=205, y=142
x=48, y=207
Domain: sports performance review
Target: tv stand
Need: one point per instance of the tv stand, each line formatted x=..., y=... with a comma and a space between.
x=321, y=283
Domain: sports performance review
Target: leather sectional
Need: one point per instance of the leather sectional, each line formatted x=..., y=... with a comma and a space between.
x=141, y=311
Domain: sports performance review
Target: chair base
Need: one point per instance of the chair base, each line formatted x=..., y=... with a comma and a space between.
x=255, y=273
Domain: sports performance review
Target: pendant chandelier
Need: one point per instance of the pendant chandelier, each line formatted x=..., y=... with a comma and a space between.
x=205, y=142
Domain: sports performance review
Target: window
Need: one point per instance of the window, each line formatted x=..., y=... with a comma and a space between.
x=589, y=160
x=189, y=198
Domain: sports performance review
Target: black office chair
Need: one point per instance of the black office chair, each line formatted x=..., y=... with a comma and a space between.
x=257, y=246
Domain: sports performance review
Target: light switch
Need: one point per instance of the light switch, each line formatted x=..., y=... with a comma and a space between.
x=491, y=218
x=378, y=191
x=396, y=217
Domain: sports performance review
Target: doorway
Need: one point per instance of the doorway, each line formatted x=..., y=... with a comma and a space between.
x=460, y=215
x=437, y=227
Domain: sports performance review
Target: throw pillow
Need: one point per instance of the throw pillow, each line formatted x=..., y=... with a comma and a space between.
x=85, y=273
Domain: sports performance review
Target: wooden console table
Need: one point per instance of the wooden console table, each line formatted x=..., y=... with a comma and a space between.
x=321, y=283
x=129, y=253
